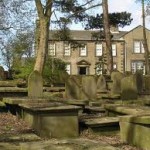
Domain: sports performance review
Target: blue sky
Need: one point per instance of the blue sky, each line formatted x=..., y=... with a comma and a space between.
x=123, y=5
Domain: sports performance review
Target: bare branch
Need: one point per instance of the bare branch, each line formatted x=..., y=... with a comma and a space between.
x=40, y=9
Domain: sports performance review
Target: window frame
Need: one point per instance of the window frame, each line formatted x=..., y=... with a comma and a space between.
x=68, y=64
x=97, y=53
x=141, y=47
x=68, y=48
x=135, y=62
x=114, y=50
x=81, y=48
x=52, y=52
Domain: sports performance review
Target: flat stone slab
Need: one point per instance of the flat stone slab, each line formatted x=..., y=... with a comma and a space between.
x=48, y=107
x=127, y=110
x=77, y=102
x=16, y=100
x=13, y=89
x=102, y=121
x=94, y=109
x=54, y=144
x=26, y=137
x=138, y=119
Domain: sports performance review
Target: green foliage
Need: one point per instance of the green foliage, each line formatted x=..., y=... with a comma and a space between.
x=100, y=65
x=115, y=19
x=54, y=70
x=22, y=71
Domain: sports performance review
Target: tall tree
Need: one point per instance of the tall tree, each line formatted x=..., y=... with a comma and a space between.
x=107, y=36
x=44, y=14
x=145, y=45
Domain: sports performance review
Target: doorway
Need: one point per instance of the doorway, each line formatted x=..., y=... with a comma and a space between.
x=82, y=70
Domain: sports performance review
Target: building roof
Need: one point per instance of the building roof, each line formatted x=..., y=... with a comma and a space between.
x=86, y=35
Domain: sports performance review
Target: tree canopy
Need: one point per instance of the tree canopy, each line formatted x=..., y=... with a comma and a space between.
x=119, y=19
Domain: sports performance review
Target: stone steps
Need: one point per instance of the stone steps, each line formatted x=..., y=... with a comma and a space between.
x=101, y=125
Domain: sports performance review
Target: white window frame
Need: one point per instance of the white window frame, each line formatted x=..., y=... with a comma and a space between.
x=68, y=68
x=52, y=49
x=99, y=49
x=135, y=65
x=83, y=50
x=98, y=71
x=138, y=47
x=114, y=66
x=67, y=49
x=114, y=50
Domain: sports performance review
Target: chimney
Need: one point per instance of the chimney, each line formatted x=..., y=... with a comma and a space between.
x=114, y=29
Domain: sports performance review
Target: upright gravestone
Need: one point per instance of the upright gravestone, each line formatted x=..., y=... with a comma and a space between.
x=129, y=88
x=89, y=87
x=73, y=87
x=116, y=78
x=139, y=81
x=35, y=85
x=147, y=84
x=2, y=75
x=101, y=84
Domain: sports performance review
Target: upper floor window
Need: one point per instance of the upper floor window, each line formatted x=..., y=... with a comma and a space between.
x=138, y=47
x=99, y=49
x=83, y=50
x=67, y=50
x=68, y=68
x=52, y=49
x=114, y=50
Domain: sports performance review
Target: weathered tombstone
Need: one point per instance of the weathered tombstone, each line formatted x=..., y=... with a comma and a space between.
x=129, y=88
x=35, y=85
x=147, y=84
x=139, y=81
x=101, y=84
x=89, y=87
x=81, y=87
x=73, y=87
x=2, y=75
x=116, y=78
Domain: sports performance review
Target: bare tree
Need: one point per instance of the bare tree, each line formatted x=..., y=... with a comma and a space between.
x=145, y=45
x=107, y=37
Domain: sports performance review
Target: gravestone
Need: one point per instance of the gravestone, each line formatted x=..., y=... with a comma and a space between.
x=89, y=87
x=81, y=87
x=116, y=78
x=35, y=85
x=73, y=87
x=129, y=88
x=139, y=81
x=2, y=75
x=147, y=84
x=101, y=84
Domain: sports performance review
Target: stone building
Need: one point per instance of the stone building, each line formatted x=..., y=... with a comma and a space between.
x=127, y=51
x=134, y=51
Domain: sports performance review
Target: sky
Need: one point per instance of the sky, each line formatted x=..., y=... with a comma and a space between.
x=124, y=5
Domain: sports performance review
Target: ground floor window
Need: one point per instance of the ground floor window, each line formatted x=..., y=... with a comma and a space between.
x=68, y=68
x=137, y=65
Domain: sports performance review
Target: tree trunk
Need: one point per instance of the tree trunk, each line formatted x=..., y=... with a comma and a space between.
x=145, y=45
x=44, y=14
x=107, y=37
x=42, y=46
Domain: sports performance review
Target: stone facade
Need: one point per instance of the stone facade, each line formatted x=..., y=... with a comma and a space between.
x=88, y=62
x=132, y=58
x=125, y=43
